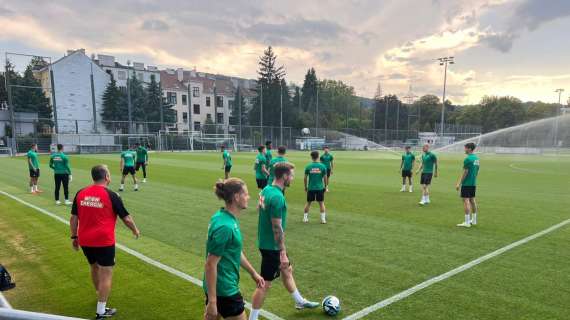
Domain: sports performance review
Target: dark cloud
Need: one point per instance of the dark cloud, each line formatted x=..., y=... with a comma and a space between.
x=5, y=11
x=397, y=76
x=502, y=41
x=294, y=30
x=155, y=25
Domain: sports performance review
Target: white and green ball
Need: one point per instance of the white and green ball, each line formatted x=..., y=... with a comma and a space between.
x=331, y=305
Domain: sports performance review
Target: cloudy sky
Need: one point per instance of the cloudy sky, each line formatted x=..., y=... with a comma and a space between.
x=501, y=47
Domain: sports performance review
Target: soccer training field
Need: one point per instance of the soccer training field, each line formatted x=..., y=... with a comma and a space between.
x=378, y=241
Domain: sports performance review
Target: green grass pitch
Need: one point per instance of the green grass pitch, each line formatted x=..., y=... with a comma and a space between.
x=378, y=241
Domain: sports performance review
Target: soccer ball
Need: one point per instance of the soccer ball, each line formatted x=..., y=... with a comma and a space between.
x=331, y=305
x=306, y=131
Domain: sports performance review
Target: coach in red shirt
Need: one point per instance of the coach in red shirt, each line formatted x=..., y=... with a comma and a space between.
x=93, y=219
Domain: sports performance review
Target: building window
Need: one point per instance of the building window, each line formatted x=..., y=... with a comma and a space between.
x=197, y=126
x=195, y=92
x=184, y=99
x=220, y=117
x=185, y=117
x=219, y=102
x=196, y=109
x=209, y=117
x=231, y=104
x=122, y=75
x=207, y=101
x=171, y=97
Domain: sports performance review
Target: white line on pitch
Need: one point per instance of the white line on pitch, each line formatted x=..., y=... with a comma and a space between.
x=406, y=293
x=138, y=255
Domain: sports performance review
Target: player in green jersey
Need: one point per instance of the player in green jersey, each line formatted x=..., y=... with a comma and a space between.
x=406, y=168
x=268, y=154
x=128, y=167
x=328, y=160
x=280, y=158
x=34, y=168
x=59, y=162
x=271, y=240
x=227, y=157
x=315, y=185
x=142, y=159
x=468, y=184
x=428, y=168
x=225, y=256
x=260, y=167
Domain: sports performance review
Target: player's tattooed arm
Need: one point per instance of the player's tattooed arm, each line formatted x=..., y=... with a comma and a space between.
x=278, y=233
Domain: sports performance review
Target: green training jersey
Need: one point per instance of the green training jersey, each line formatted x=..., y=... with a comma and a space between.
x=225, y=241
x=268, y=156
x=128, y=158
x=272, y=168
x=316, y=171
x=142, y=154
x=33, y=157
x=428, y=160
x=327, y=159
x=408, y=158
x=59, y=162
x=260, y=161
x=272, y=204
x=471, y=164
x=227, y=158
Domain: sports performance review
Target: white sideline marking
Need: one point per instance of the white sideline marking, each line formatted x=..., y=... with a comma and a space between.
x=3, y=302
x=138, y=255
x=406, y=293
x=513, y=166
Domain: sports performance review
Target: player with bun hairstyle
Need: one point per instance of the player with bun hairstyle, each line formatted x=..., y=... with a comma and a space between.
x=224, y=254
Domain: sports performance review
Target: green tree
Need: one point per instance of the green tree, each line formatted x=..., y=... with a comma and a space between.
x=429, y=110
x=540, y=110
x=309, y=91
x=236, y=108
x=152, y=104
x=501, y=112
x=114, y=105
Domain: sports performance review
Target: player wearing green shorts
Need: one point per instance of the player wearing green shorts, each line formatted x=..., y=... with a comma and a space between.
x=128, y=167
x=280, y=158
x=142, y=159
x=34, y=168
x=315, y=186
x=260, y=167
x=224, y=255
x=271, y=240
x=406, y=168
x=429, y=169
x=328, y=160
x=467, y=183
x=227, y=157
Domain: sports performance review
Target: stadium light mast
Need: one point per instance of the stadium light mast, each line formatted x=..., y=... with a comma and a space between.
x=444, y=61
x=559, y=91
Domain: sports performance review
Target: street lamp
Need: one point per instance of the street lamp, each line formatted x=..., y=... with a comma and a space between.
x=559, y=91
x=444, y=61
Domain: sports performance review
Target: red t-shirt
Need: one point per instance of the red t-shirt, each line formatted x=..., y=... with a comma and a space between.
x=97, y=209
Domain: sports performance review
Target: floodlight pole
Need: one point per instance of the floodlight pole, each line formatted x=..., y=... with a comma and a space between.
x=281, y=117
x=261, y=111
x=559, y=91
x=444, y=61
x=317, y=120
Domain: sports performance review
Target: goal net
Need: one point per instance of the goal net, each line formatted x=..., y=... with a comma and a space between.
x=195, y=141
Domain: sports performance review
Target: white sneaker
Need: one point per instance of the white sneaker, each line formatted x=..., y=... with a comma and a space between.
x=428, y=201
x=464, y=225
x=411, y=189
x=473, y=223
x=136, y=188
x=323, y=221
x=144, y=180
x=57, y=203
x=403, y=189
x=68, y=203
x=305, y=220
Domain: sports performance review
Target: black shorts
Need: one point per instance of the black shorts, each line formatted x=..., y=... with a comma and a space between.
x=270, y=264
x=329, y=170
x=129, y=170
x=103, y=256
x=468, y=191
x=316, y=195
x=228, y=168
x=231, y=306
x=406, y=173
x=34, y=173
x=261, y=183
x=426, y=178
x=140, y=164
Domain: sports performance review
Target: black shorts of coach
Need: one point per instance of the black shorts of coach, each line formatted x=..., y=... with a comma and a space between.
x=426, y=178
x=34, y=173
x=316, y=195
x=406, y=173
x=231, y=306
x=261, y=183
x=270, y=264
x=140, y=164
x=468, y=192
x=103, y=256
x=129, y=170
